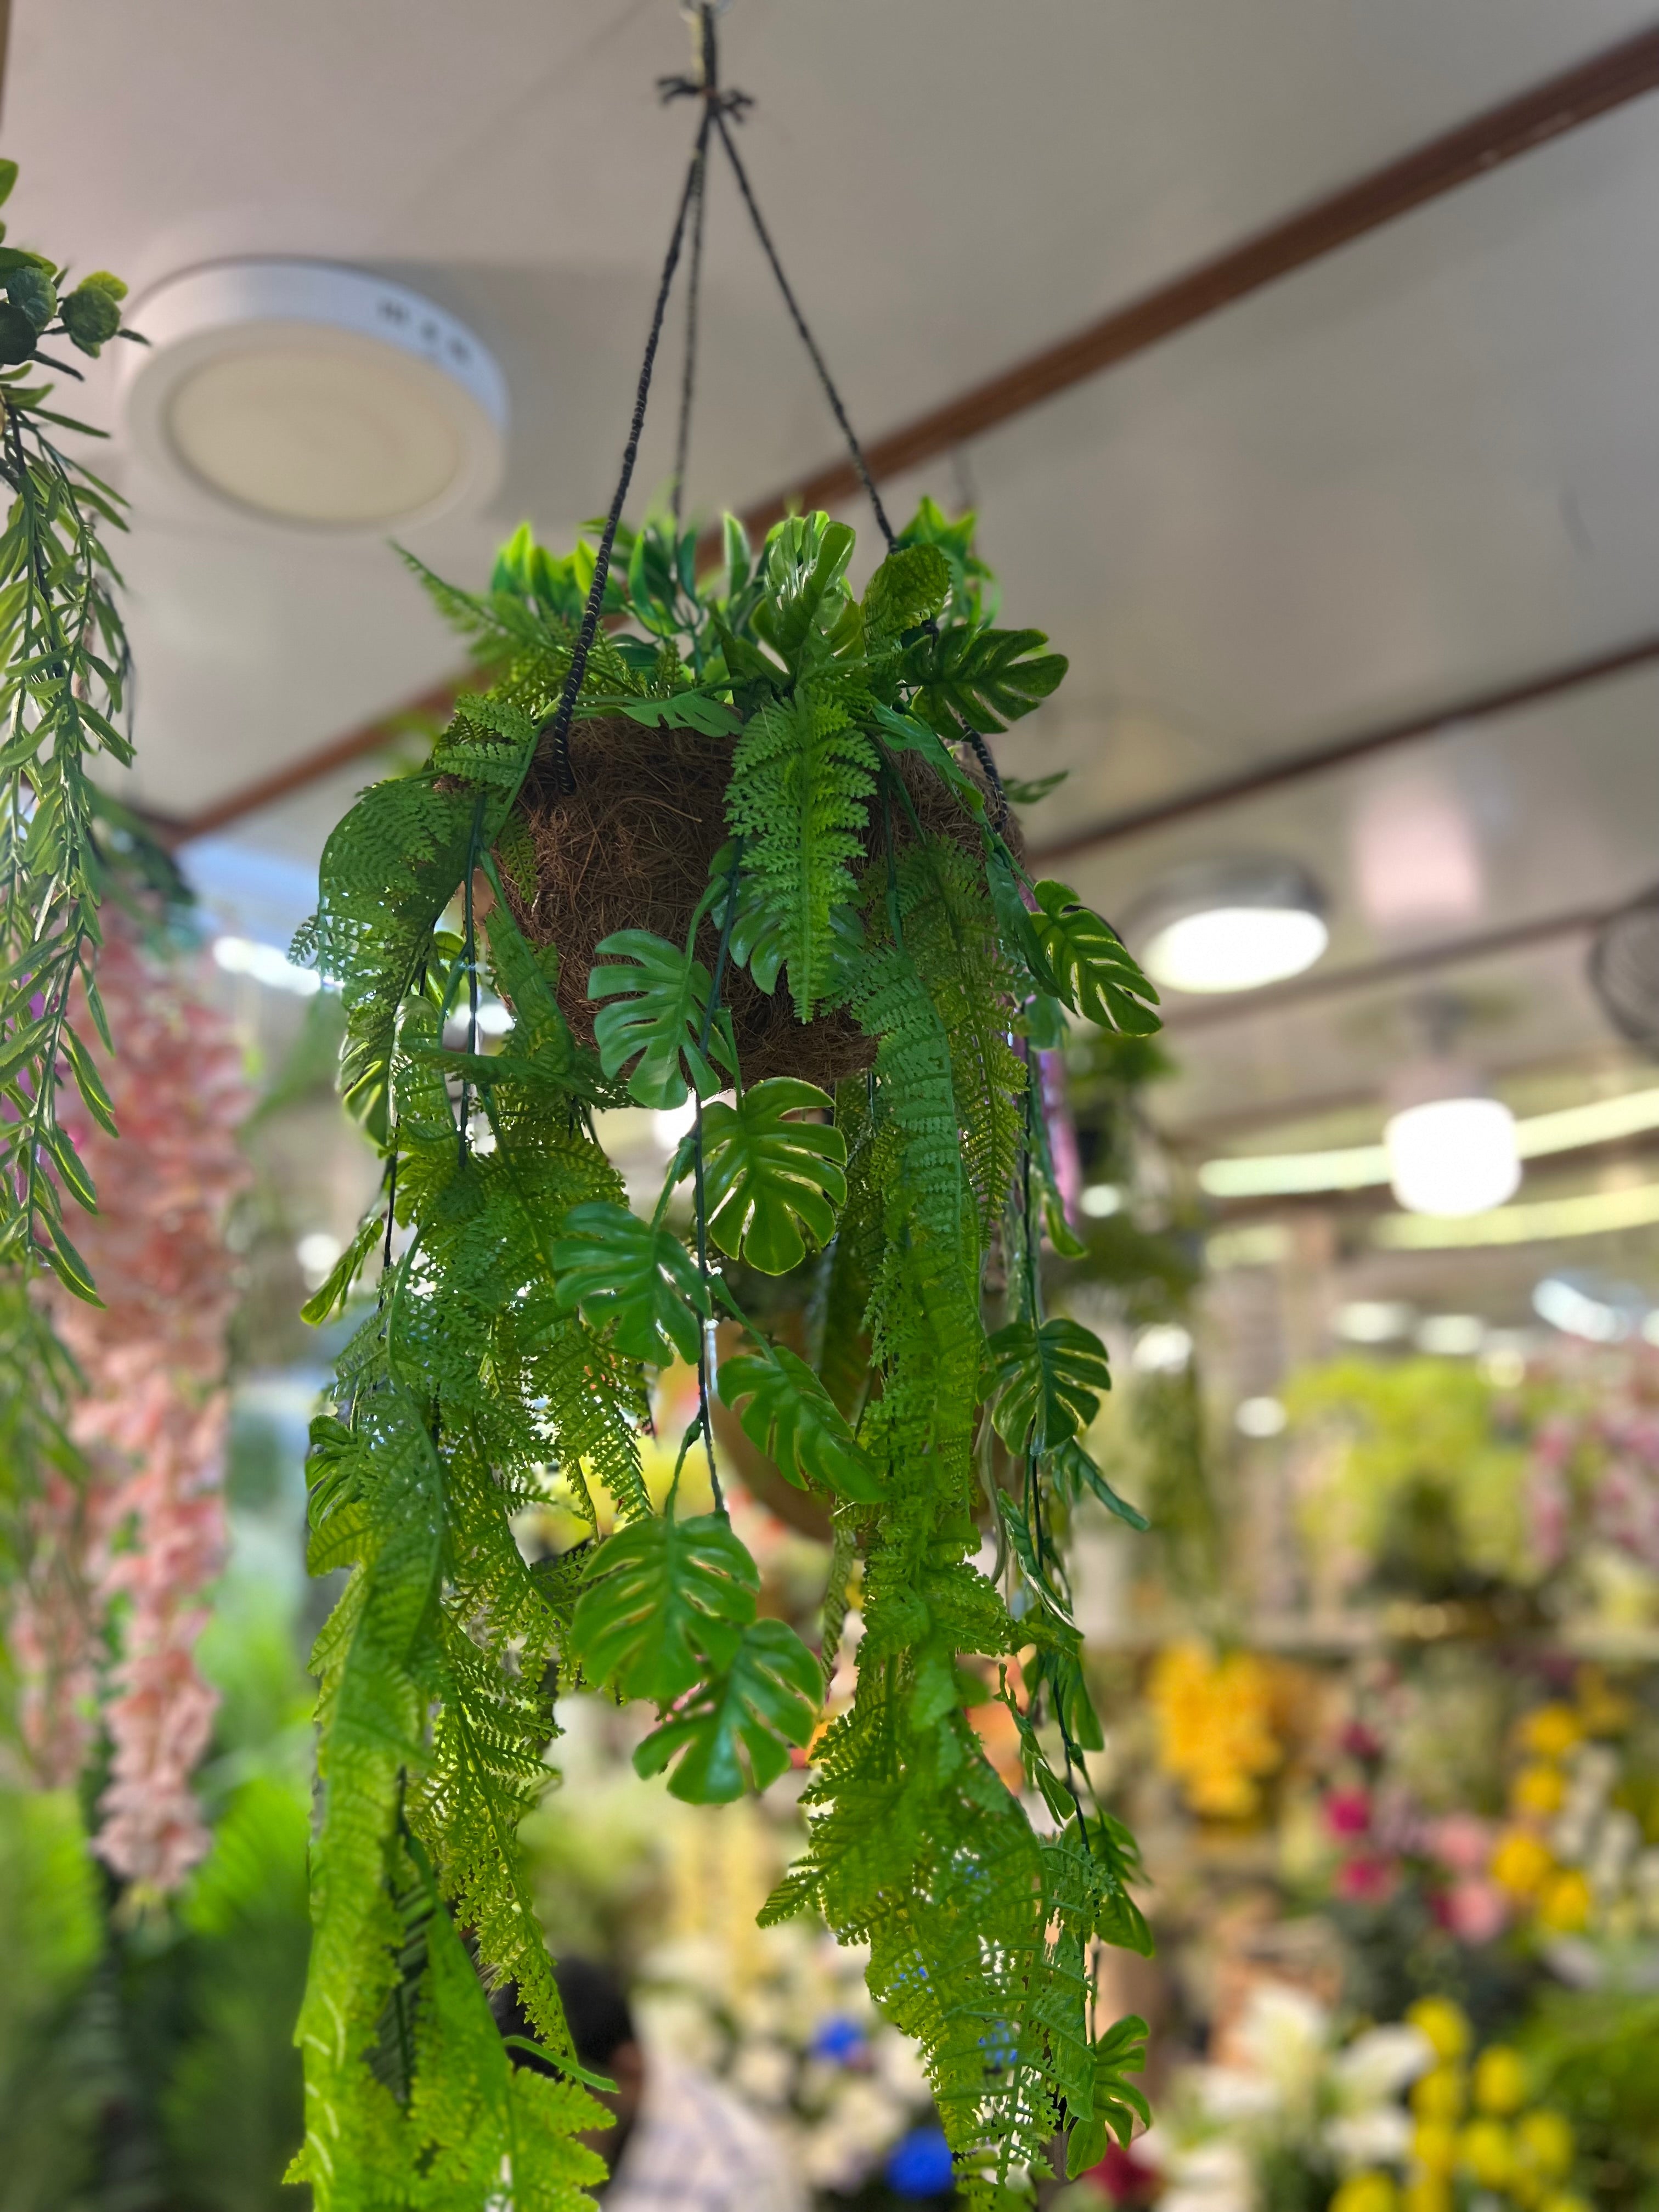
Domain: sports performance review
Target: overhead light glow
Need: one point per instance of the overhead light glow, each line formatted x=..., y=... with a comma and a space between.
x=1261, y=1418
x=1565, y=1306
x=1235, y=948
x=1452, y=1336
x=1357, y=1167
x=1453, y=1157
x=1162, y=1349
x=1594, y=1214
x=1375, y=1321
x=1101, y=1198
x=316, y=1252
x=242, y=956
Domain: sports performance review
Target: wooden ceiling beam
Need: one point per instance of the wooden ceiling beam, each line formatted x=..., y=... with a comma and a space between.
x=1515, y=127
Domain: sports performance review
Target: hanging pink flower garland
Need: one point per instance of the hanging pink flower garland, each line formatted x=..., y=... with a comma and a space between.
x=153, y=1419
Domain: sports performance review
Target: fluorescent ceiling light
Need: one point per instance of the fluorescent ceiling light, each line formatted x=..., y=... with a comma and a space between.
x=1229, y=926
x=1357, y=1167
x=241, y=956
x=1453, y=1156
x=1538, y=1222
x=310, y=394
x=1452, y=1336
x=1565, y=1306
x=1374, y=1321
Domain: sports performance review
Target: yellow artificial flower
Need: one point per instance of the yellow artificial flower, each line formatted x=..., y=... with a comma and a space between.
x=1566, y=1904
x=1434, y=2146
x=1564, y=2200
x=1215, y=1727
x=1500, y=2080
x=1485, y=2149
x=1551, y=1731
x=1445, y=2025
x=1521, y=1862
x=1372, y=2190
x=1427, y=2192
x=1538, y=1789
x=1603, y=1710
x=1438, y=2095
x=1544, y=2141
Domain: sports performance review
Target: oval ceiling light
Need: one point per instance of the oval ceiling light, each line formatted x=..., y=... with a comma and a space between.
x=1231, y=926
x=305, y=394
x=1453, y=1156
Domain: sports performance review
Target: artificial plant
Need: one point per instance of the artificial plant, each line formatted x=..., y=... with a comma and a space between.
x=859, y=900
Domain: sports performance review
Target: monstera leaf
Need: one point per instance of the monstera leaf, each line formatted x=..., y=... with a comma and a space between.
x=988, y=677
x=767, y=1178
x=1048, y=1381
x=665, y=1604
x=764, y=1701
x=620, y=1270
x=1075, y=1473
x=1098, y=978
x=659, y=1024
x=1115, y=2103
x=786, y=1413
x=807, y=597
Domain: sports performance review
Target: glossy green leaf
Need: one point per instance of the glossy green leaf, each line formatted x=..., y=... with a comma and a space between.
x=1116, y=2103
x=909, y=588
x=681, y=710
x=1075, y=1476
x=87, y=1081
x=1048, y=1381
x=806, y=595
x=331, y=1294
x=770, y=1182
x=1096, y=974
x=639, y=1281
x=765, y=1700
x=786, y=1413
x=658, y=1024
x=988, y=677
x=665, y=1604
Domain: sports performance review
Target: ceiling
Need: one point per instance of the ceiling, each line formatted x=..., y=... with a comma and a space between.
x=1425, y=465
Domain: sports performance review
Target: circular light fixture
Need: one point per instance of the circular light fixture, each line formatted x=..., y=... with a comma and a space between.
x=1231, y=926
x=1452, y=1156
x=316, y=396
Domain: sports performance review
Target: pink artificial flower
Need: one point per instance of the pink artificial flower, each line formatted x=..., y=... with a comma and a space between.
x=1460, y=1841
x=1365, y=1878
x=1348, y=1811
x=1474, y=1910
x=1359, y=1742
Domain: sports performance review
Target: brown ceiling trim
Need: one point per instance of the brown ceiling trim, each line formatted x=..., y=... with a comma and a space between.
x=1394, y=968
x=1282, y=769
x=1500, y=134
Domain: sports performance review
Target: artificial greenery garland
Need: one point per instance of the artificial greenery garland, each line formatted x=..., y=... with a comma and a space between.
x=867, y=880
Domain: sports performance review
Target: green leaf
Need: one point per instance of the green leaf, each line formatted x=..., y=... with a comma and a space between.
x=786, y=1413
x=331, y=1294
x=766, y=1178
x=87, y=1081
x=91, y=314
x=33, y=291
x=1026, y=790
x=70, y=1268
x=72, y=1168
x=1075, y=1473
x=806, y=594
x=7, y=179
x=1096, y=976
x=663, y=1602
x=682, y=710
x=659, y=1023
x=903, y=733
x=1116, y=2103
x=1048, y=1381
x=988, y=677
x=909, y=588
x=18, y=335
x=617, y=1268
x=765, y=1700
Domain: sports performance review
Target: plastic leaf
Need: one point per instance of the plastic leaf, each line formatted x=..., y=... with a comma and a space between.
x=619, y=1269
x=767, y=1178
x=786, y=1413
x=909, y=588
x=659, y=1023
x=1049, y=1381
x=1099, y=978
x=1074, y=1472
x=765, y=1700
x=666, y=1601
x=989, y=678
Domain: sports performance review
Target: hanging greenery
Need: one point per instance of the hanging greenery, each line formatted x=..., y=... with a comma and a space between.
x=63, y=672
x=854, y=890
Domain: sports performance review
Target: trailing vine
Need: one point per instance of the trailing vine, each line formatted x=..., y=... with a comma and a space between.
x=864, y=898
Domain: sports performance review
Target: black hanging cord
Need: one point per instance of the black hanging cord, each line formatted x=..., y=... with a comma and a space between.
x=806, y=337
x=559, y=728
x=708, y=89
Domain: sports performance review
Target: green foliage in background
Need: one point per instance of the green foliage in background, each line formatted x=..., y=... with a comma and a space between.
x=520, y=1304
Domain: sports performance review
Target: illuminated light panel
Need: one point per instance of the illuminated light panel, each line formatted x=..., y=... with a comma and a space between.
x=1358, y=1166
x=1536, y=1222
x=1453, y=1156
x=1235, y=948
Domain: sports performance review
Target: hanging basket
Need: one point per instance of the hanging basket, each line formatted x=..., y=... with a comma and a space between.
x=630, y=848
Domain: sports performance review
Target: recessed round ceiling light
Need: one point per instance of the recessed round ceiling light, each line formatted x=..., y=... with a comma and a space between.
x=1231, y=926
x=1453, y=1156
x=316, y=396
